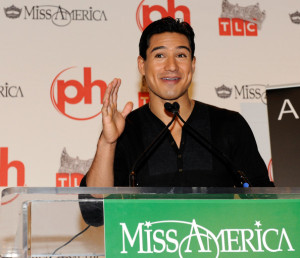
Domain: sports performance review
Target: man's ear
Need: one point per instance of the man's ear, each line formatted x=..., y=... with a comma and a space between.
x=194, y=64
x=141, y=65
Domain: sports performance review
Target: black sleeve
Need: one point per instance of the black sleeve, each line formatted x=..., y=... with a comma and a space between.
x=121, y=162
x=128, y=148
x=246, y=155
x=92, y=212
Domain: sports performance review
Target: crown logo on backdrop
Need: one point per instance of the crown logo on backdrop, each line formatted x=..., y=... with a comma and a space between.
x=69, y=164
x=251, y=13
x=12, y=12
x=295, y=17
x=223, y=91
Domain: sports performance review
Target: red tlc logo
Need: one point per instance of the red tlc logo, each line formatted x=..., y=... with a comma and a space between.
x=146, y=13
x=236, y=27
x=68, y=180
x=6, y=166
x=76, y=100
x=143, y=98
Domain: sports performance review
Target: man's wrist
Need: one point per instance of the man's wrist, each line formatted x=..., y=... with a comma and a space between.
x=103, y=143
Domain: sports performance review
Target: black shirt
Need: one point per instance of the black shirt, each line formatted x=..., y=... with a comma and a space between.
x=191, y=164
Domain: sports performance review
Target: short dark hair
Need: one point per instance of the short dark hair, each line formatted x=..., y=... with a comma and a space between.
x=167, y=24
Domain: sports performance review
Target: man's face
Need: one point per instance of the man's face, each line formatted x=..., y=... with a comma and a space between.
x=169, y=67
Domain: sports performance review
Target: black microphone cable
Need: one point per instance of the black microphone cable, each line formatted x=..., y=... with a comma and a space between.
x=68, y=242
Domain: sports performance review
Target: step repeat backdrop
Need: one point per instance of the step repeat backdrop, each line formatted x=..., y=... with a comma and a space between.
x=57, y=58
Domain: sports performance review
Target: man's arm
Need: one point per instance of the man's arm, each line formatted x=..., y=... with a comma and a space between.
x=101, y=173
x=247, y=155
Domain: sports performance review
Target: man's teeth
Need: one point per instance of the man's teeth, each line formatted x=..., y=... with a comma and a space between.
x=171, y=79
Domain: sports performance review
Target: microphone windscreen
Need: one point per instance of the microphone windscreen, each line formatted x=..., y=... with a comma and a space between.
x=173, y=108
x=176, y=106
x=168, y=106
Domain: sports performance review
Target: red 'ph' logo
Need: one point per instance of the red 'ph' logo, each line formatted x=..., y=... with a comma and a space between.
x=6, y=166
x=236, y=27
x=144, y=12
x=66, y=94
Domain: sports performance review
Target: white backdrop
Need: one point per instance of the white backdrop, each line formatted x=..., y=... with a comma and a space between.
x=45, y=44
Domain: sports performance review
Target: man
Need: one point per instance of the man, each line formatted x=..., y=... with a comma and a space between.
x=167, y=63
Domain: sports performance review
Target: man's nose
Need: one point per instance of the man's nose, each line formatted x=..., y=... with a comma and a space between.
x=171, y=64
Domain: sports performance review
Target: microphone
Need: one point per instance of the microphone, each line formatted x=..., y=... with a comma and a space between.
x=132, y=176
x=172, y=108
x=240, y=176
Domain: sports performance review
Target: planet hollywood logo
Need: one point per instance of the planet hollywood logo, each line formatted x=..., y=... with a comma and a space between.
x=8, y=167
x=295, y=17
x=10, y=91
x=245, y=92
x=149, y=11
x=165, y=237
x=59, y=15
x=240, y=21
x=76, y=100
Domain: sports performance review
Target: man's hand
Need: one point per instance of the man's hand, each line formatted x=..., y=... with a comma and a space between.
x=101, y=173
x=113, y=121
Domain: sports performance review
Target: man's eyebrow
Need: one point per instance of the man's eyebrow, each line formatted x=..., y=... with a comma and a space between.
x=157, y=48
x=163, y=47
x=185, y=47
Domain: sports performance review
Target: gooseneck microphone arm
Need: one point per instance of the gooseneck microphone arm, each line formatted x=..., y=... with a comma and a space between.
x=132, y=176
x=239, y=175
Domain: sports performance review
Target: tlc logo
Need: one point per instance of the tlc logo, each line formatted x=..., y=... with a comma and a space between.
x=5, y=166
x=76, y=100
x=236, y=27
x=144, y=12
x=68, y=179
x=143, y=98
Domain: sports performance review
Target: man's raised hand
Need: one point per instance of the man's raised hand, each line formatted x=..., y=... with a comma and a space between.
x=113, y=121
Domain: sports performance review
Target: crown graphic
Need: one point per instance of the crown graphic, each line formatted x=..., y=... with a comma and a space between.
x=295, y=17
x=223, y=91
x=69, y=164
x=251, y=13
x=12, y=12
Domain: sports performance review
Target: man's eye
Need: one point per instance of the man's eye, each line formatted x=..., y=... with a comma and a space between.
x=159, y=55
x=182, y=55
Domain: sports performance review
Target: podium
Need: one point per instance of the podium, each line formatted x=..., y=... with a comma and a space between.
x=151, y=222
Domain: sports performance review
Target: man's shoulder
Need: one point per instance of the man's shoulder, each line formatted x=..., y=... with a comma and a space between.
x=216, y=112
x=138, y=113
x=221, y=118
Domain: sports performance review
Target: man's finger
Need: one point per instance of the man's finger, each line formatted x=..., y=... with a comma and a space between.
x=107, y=92
x=115, y=93
x=127, y=109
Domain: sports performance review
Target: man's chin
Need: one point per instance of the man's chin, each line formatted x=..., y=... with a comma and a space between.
x=168, y=96
x=171, y=96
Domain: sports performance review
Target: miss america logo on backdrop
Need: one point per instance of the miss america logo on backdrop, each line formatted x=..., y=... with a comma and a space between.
x=59, y=15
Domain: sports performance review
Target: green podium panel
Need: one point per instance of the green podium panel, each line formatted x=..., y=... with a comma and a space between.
x=202, y=228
